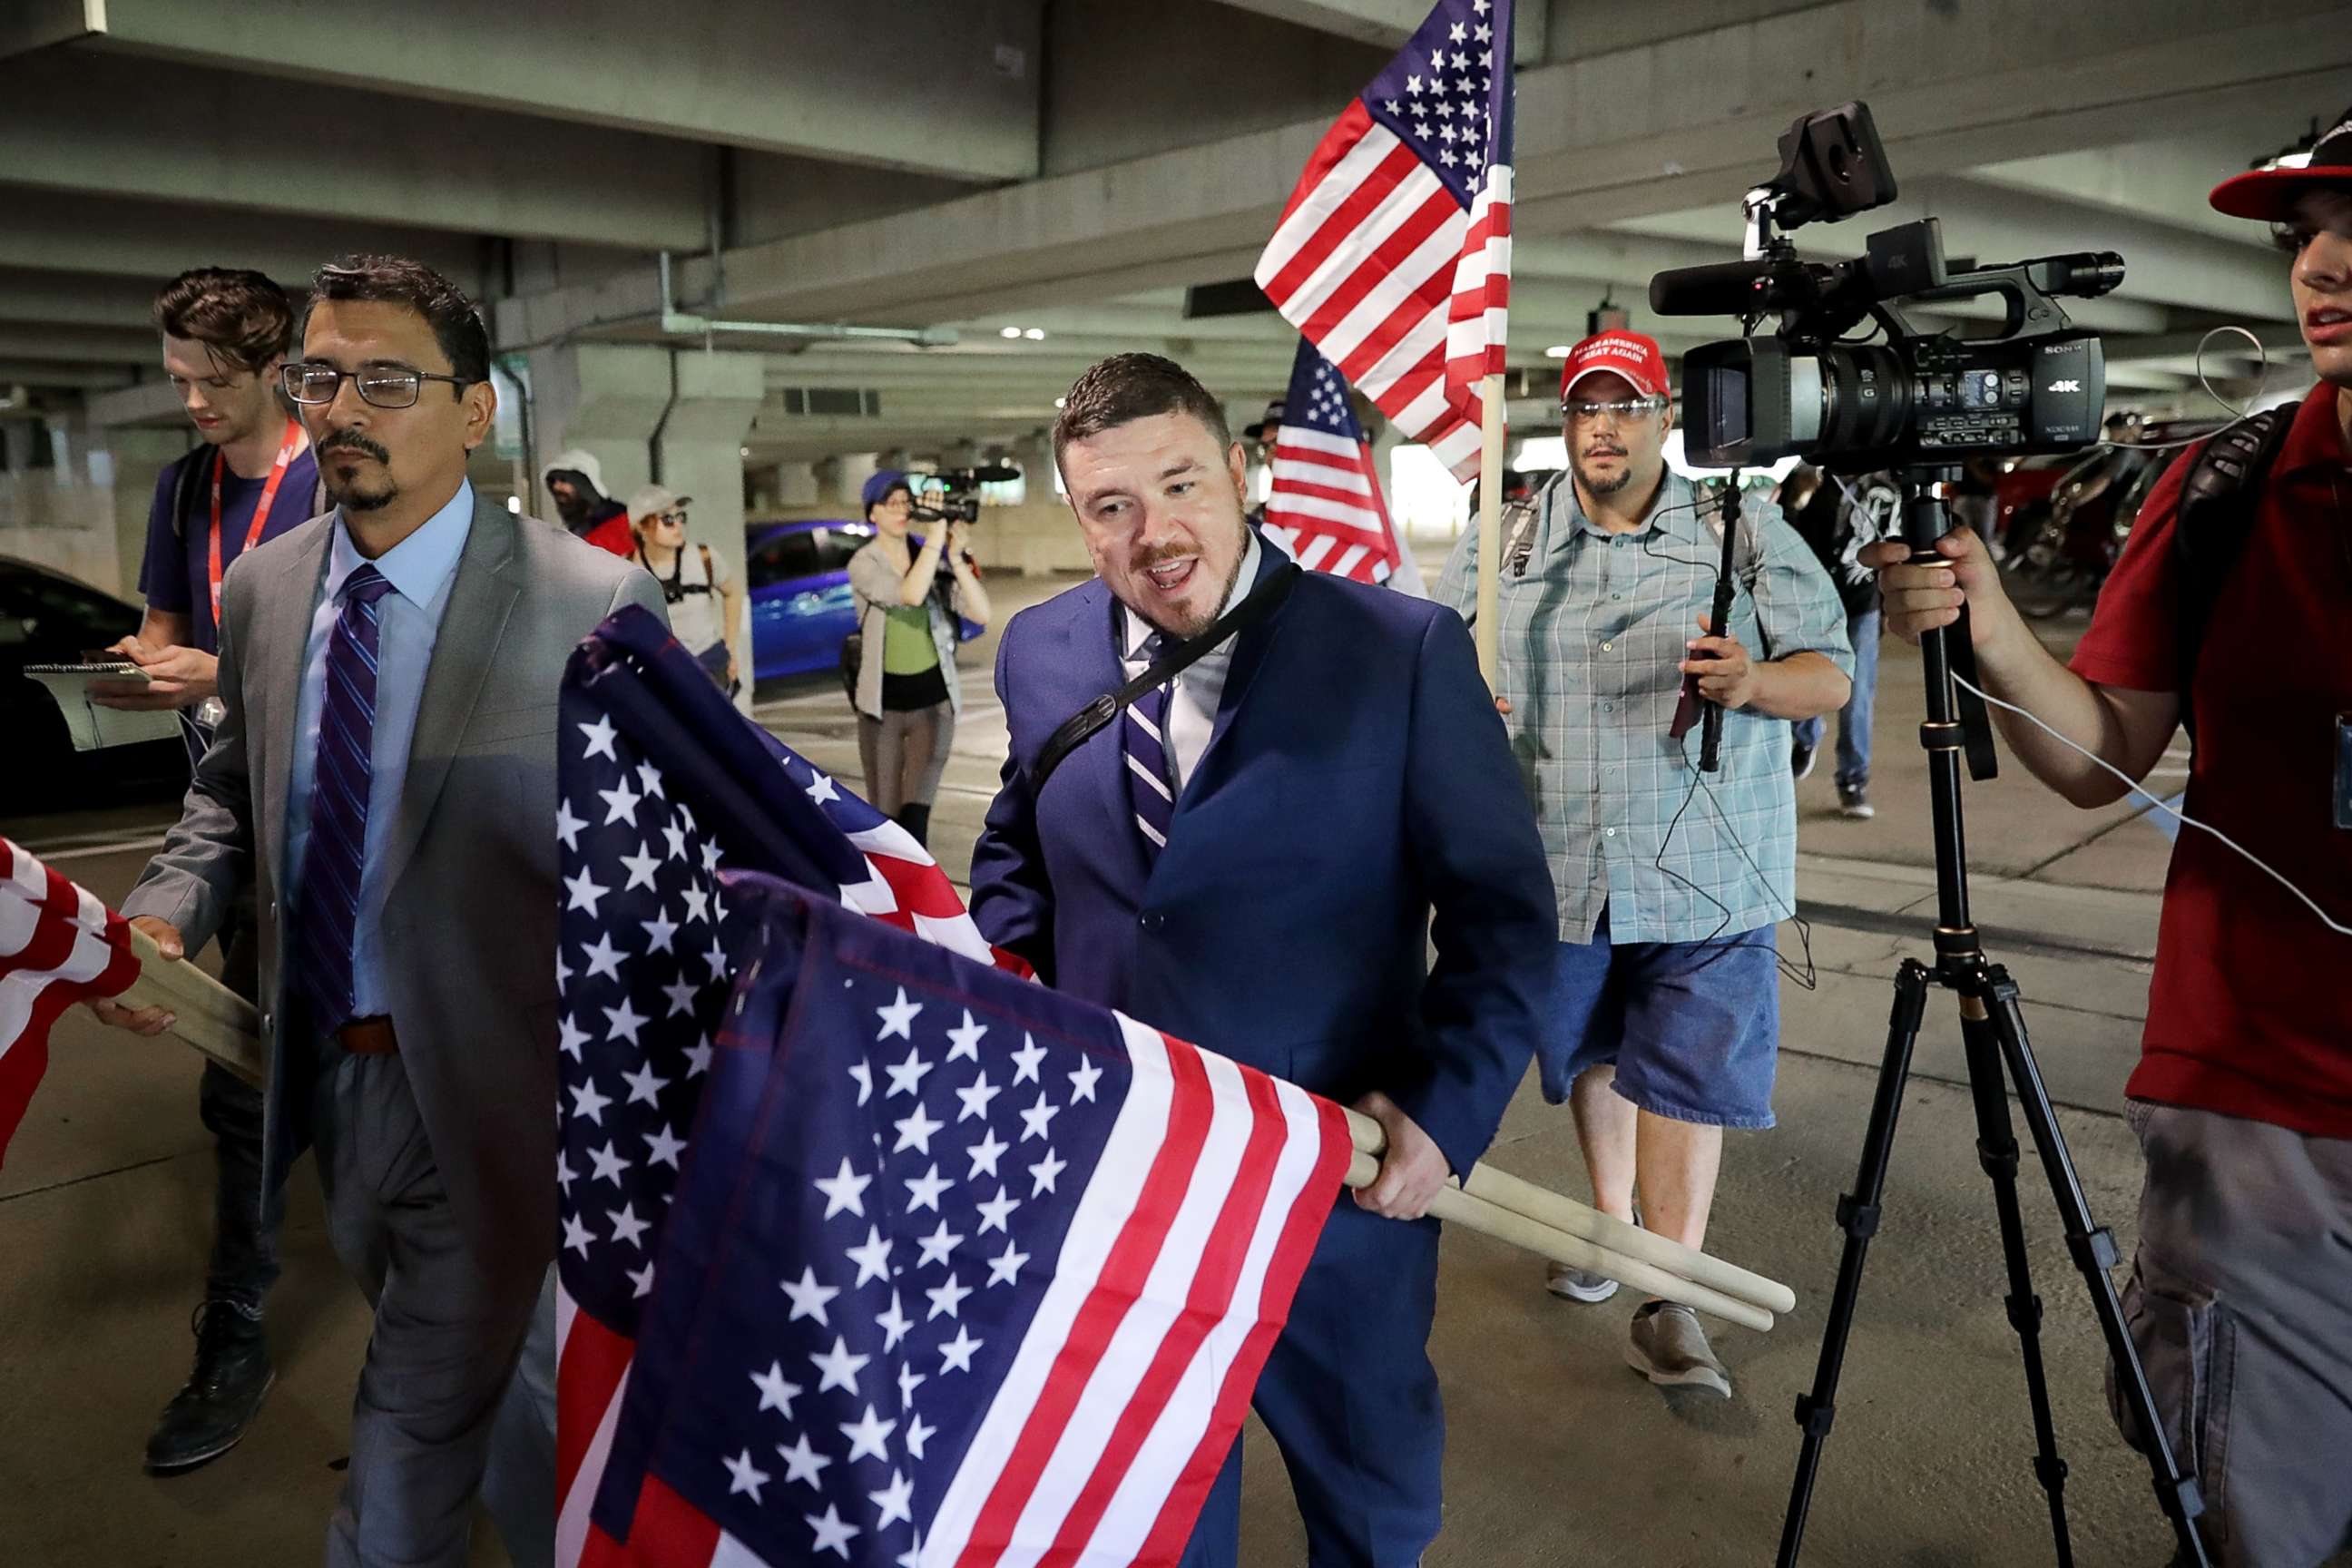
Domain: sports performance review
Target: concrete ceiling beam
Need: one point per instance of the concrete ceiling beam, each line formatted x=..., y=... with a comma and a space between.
x=64, y=300
x=2166, y=267
x=796, y=79
x=173, y=134
x=53, y=231
x=30, y=25
x=1390, y=22
x=82, y=346
x=1605, y=139
x=61, y=374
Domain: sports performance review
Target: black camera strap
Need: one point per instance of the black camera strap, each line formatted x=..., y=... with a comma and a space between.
x=1087, y=721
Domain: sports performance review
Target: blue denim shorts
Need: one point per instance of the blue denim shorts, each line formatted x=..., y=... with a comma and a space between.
x=1693, y=1028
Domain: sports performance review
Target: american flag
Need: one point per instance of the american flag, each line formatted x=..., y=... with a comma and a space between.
x=1394, y=253
x=961, y=1272
x=58, y=945
x=1325, y=506
x=660, y=778
x=662, y=783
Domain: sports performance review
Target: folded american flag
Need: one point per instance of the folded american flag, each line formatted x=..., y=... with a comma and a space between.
x=661, y=781
x=58, y=945
x=1394, y=253
x=1324, y=506
x=960, y=1271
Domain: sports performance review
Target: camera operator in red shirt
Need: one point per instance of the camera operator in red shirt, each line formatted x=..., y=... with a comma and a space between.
x=2241, y=1297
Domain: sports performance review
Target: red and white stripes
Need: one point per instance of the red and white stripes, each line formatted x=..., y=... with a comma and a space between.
x=59, y=943
x=1397, y=285
x=1325, y=506
x=1132, y=1380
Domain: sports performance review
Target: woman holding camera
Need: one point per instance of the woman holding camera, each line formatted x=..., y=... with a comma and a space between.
x=909, y=598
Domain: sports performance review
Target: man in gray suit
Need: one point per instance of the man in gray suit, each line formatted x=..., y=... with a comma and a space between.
x=384, y=781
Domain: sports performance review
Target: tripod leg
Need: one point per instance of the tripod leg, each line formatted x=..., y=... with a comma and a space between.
x=1997, y=1153
x=2093, y=1251
x=1857, y=1214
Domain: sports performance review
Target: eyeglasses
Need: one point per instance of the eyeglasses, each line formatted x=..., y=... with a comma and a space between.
x=1632, y=411
x=380, y=386
x=676, y=518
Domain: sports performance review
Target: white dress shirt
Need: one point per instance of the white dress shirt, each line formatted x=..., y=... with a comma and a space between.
x=1201, y=686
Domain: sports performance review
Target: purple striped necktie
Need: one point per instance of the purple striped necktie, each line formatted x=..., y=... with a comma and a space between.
x=329, y=903
x=1151, y=782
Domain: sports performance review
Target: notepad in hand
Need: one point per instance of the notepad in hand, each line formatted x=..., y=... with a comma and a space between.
x=92, y=725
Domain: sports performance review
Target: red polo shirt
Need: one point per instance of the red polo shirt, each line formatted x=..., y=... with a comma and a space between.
x=2250, y=1009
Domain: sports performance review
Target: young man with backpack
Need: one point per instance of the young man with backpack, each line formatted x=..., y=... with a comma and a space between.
x=2225, y=613
x=226, y=335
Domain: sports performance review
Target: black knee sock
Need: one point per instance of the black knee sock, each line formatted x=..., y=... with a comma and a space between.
x=917, y=820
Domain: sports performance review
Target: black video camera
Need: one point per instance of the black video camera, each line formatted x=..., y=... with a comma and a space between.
x=1917, y=397
x=952, y=494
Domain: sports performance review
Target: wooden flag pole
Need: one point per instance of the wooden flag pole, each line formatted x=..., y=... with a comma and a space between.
x=1490, y=520
x=1510, y=1209
x=221, y=1024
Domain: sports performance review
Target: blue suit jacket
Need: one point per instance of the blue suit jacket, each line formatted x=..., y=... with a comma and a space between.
x=1357, y=777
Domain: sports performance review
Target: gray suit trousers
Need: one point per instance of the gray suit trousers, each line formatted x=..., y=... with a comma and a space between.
x=441, y=1400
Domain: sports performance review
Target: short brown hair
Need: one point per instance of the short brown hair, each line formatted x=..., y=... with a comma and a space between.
x=239, y=316
x=456, y=324
x=1126, y=387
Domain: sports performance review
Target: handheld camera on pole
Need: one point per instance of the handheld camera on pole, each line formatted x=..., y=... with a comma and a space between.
x=1919, y=403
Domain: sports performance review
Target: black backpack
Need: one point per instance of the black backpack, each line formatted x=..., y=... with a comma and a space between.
x=2219, y=500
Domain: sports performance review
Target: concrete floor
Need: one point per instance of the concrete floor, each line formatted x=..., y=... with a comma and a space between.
x=1557, y=1453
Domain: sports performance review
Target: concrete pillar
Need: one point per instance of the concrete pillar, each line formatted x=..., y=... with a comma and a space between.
x=797, y=484
x=849, y=473
x=650, y=413
x=698, y=452
x=604, y=398
x=24, y=444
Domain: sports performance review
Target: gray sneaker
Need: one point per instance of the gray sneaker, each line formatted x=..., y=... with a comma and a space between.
x=1669, y=1348
x=1578, y=1284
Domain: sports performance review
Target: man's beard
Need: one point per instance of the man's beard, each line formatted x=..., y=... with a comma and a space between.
x=1187, y=630
x=1601, y=487
x=572, y=510
x=355, y=493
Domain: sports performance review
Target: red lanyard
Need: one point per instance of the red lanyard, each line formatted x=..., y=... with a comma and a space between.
x=261, y=509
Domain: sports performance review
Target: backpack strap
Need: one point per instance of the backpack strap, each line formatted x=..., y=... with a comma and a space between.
x=1174, y=659
x=185, y=486
x=2220, y=498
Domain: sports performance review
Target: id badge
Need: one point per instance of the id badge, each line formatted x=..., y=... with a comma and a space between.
x=2343, y=772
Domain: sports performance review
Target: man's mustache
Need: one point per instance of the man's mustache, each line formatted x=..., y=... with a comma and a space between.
x=355, y=442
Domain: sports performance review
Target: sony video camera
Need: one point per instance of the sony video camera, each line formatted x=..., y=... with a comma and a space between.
x=952, y=494
x=1914, y=397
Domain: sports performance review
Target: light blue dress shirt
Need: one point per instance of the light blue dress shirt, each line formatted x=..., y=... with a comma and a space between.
x=421, y=568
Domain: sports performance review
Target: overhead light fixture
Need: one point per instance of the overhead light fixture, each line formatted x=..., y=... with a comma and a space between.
x=1035, y=334
x=1008, y=331
x=1557, y=351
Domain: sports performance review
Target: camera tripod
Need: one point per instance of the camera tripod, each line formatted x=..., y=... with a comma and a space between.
x=1992, y=1031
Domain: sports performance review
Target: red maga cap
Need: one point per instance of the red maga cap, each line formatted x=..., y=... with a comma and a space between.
x=2273, y=192
x=1633, y=355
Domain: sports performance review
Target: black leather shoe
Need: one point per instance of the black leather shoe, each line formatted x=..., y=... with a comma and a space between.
x=208, y=1415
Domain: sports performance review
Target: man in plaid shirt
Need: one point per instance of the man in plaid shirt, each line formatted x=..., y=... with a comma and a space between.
x=1665, y=1020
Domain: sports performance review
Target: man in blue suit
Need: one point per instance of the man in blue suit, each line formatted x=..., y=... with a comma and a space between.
x=1249, y=856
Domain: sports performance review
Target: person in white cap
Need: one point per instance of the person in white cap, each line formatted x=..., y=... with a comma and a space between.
x=2225, y=612
x=706, y=600
x=575, y=481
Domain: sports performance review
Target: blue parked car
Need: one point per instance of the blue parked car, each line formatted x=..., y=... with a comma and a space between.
x=798, y=576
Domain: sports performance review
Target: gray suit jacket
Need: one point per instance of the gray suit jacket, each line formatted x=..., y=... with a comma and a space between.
x=469, y=918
